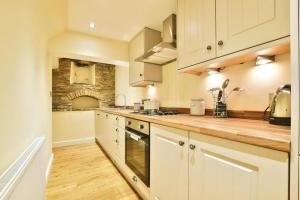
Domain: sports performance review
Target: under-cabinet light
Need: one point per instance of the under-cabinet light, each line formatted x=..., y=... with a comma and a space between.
x=213, y=71
x=92, y=25
x=263, y=60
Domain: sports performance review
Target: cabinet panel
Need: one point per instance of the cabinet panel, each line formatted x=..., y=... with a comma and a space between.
x=243, y=24
x=196, y=31
x=222, y=169
x=169, y=164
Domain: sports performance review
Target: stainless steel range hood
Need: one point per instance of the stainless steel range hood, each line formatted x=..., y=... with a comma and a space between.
x=164, y=52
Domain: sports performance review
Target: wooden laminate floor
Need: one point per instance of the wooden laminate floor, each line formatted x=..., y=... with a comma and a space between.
x=83, y=172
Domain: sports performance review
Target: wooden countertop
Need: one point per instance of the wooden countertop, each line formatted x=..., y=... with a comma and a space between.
x=255, y=132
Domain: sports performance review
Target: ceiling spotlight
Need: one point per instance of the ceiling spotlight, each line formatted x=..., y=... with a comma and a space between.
x=263, y=60
x=92, y=25
x=213, y=71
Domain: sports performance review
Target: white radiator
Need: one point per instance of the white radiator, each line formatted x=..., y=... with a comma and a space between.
x=11, y=177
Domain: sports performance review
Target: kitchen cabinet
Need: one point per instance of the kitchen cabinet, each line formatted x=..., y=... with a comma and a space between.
x=141, y=74
x=110, y=133
x=245, y=23
x=169, y=163
x=196, y=31
x=215, y=168
x=209, y=30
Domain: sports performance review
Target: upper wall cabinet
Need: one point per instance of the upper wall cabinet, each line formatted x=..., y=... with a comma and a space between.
x=142, y=74
x=196, y=31
x=210, y=30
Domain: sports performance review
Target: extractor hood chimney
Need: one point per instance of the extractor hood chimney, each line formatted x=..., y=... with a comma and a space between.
x=164, y=52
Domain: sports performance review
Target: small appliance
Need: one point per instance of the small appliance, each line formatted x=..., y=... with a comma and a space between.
x=280, y=113
x=197, y=107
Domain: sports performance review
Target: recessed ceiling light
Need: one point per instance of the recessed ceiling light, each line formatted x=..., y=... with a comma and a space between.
x=263, y=60
x=92, y=25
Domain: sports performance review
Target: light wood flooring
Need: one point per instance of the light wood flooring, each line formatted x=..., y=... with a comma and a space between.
x=83, y=172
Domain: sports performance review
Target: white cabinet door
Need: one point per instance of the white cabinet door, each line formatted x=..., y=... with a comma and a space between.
x=168, y=163
x=242, y=24
x=227, y=170
x=196, y=32
x=136, y=49
x=100, y=126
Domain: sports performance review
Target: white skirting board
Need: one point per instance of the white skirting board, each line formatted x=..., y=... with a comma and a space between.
x=11, y=177
x=49, y=166
x=73, y=142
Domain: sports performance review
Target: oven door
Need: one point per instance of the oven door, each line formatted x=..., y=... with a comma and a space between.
x=137, y=154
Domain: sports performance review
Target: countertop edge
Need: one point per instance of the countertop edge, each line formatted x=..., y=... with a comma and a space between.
x=257, y=141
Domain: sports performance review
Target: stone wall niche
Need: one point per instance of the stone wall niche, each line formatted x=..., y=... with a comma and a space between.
x=65, y=94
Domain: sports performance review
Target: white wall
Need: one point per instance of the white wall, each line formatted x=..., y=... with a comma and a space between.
x=86, y=47
x=177, y=89
x=25, y=79
x=133, y=94
x=72, y=125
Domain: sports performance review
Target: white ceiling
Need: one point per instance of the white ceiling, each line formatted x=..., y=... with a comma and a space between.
x=118, y=19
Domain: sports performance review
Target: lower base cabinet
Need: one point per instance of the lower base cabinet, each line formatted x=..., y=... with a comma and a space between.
x=110, y=134
x=195, y=166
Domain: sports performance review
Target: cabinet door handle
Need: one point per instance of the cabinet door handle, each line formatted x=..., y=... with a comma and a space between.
x=181, y=143
x=192, y=147
x=98, y=114
x=208, y=47
x=134, y=178
x=141, y=74
x=117, y=141
x=117, y=130
x=117, y=118
x=220, y=43
x=106, y=115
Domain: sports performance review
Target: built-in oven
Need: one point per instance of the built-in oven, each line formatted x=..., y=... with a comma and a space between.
x=137, y=148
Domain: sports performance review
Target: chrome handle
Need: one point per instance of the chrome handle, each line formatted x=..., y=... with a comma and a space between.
x=181, y=143
x=208, y=47
x=220, y=43
x=192, y=147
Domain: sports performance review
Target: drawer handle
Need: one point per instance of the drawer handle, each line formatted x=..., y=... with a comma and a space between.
x=117, y=141
x=141, y=74
x=117, y=118
x=209, y=47
x=192, y=147
x=181, y=143
x=117, y=130
x=220, y=43
x=134, y=178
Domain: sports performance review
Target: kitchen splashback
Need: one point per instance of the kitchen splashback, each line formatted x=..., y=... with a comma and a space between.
x=177, y=89
x=83, y=96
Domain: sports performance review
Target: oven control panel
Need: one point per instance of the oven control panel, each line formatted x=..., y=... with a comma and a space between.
x=138, y=125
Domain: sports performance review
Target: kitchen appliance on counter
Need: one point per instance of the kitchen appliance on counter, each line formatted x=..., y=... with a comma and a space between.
x=197, y=107
x=151, y=105
x=157, y=112
x=137, y=148
x=137, y=107
x=280, y=113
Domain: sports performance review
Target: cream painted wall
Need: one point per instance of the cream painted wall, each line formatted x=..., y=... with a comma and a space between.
x=72, y=125
x=133, y=94
x=177, y=88
x=86, y=47
x=24, y=77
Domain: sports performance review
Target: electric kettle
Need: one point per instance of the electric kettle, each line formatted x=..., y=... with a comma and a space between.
x=281, y=106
